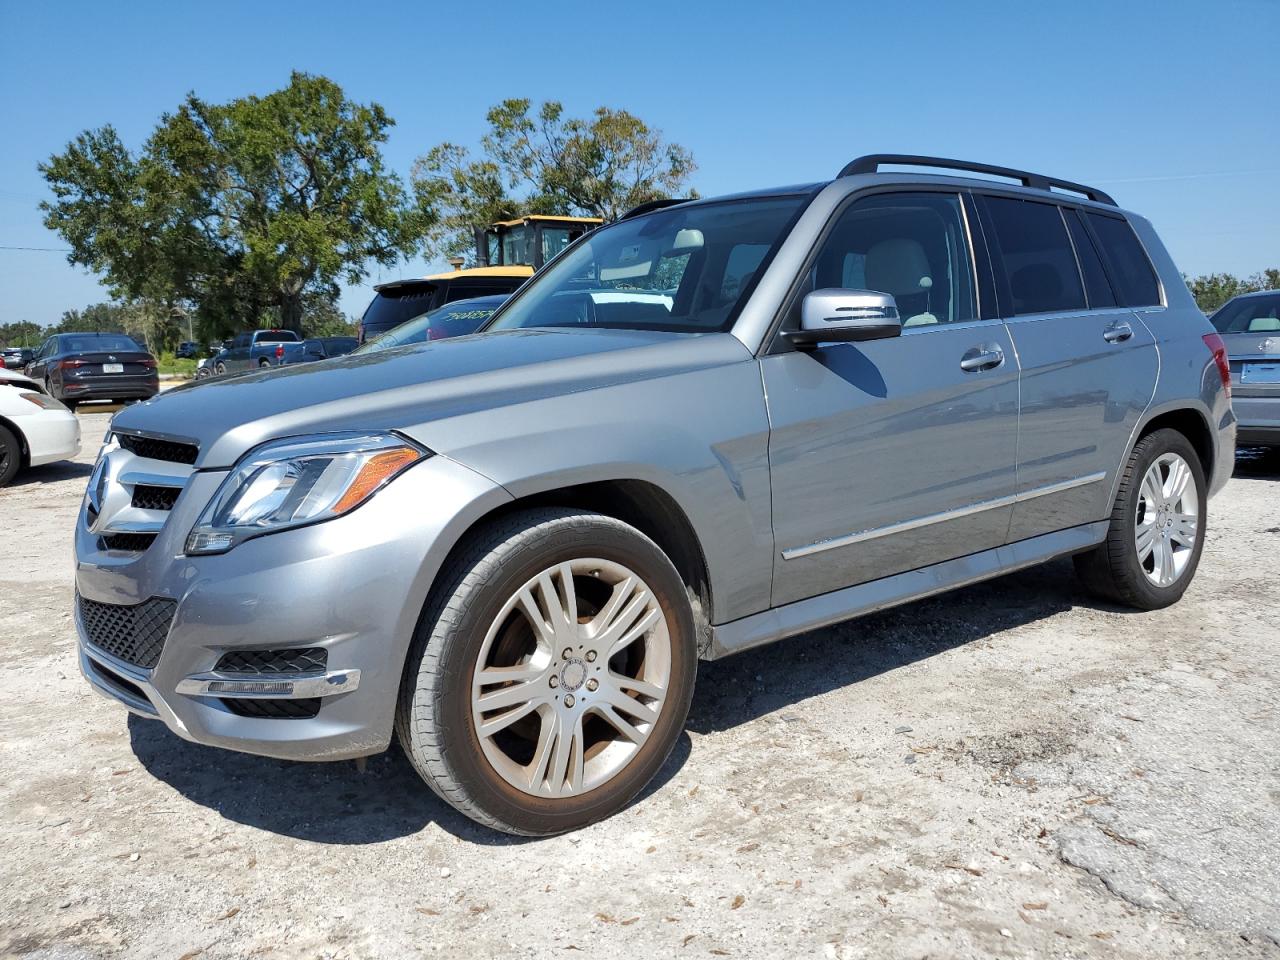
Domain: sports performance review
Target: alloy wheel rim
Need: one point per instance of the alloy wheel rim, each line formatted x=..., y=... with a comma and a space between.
x=571, y=678
x=1167, y=522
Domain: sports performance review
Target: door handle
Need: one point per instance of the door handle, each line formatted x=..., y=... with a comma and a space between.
x=1117, y=333
x=986, y=357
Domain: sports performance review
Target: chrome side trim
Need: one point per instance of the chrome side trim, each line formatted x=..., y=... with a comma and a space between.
x=821, y=611
x=874, y=534
x=254, y=686
x=981, y=506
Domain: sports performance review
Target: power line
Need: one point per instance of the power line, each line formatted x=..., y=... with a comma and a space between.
x=42, y=249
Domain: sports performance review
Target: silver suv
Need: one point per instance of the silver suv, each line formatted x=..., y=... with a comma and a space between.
x=706, y=427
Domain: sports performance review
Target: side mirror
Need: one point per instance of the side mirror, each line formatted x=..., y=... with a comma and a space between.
x=835, y=316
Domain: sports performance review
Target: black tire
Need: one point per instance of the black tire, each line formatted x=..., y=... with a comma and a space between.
x=1112, y=569
x=220, y=369
x=433, y=718
x=10, y=455
x=263, y=364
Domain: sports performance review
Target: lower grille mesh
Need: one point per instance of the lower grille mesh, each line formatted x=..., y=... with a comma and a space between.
x=306, y=660
x=134, y=634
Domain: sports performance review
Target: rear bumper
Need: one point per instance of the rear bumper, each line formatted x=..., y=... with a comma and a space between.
x=1258, y=419
x=111, y=388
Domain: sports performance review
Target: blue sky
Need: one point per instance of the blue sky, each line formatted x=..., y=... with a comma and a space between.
x=1173, y=107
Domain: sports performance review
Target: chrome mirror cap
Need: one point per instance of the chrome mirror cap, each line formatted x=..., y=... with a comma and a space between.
x=836, y=315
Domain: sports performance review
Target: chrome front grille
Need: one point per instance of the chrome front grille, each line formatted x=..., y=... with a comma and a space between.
x=134, y=634
x=133, y=489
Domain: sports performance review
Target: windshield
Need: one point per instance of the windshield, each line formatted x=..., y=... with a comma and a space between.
x=685, y=270
x=1249, y=315
x=455, y=319
x=90, y=342
x=517, y=245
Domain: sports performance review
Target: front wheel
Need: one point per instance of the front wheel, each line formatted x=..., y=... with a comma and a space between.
x=1156, y=531
x=551, y=675
x=10, y=455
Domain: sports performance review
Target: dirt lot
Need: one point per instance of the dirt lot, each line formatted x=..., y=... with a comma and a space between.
x=1011, y=770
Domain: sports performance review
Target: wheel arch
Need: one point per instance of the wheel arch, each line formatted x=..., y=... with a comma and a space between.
x=23, y=446
x=1192, y=424
x=642, y=504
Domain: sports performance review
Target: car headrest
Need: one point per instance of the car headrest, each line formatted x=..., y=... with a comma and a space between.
x=898, y=267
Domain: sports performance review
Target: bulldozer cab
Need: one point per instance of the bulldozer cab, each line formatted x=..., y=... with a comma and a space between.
x=529, y=241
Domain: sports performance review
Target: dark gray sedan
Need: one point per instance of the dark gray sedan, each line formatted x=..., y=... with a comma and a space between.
x=1250, y=328
x=75, y=367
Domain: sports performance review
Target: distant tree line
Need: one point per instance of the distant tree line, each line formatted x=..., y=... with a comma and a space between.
x=1212, y=290
x=250, y=213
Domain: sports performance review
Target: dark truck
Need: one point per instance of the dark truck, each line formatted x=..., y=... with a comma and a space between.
x=254, y=349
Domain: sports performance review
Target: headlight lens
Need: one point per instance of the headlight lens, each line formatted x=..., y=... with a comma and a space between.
x=291, y=483
x=42, y=401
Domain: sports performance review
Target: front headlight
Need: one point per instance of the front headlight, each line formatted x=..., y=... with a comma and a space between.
x=294, y=482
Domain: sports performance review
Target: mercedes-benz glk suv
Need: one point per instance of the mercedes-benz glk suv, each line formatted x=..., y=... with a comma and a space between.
x=706, y=427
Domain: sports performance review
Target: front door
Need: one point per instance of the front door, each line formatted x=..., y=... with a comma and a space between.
x=892, y=454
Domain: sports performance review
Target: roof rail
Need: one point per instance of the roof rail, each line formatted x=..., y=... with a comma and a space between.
x=872, y=162
x=651, y=206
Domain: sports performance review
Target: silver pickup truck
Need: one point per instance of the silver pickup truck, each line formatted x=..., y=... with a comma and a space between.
x=706, y=427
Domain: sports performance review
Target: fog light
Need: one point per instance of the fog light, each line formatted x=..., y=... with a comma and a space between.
x=233, y=687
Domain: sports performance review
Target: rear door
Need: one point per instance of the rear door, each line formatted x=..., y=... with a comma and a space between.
x=893, y=454
x=1089, y=365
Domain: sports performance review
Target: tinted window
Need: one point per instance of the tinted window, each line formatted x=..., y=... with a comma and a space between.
x=1095, y=277
x=1248, y=315
x=92, y=342
x=396, y=305
x=452, y=320
x=1039, y=264
x=910, y=245
x=1134, y=276
x=276, y=336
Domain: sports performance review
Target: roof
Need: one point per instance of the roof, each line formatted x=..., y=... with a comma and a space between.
x=517, y=270
x=545, y=218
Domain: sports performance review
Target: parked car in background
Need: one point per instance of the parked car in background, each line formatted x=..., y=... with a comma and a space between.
x=253, y=349
x=455, y=319
x=1250, y=328
x=706, y=427
x=15, y=358
x=187, y=350
x=34, y=428
x=75, y=367
x=405, y=300
x=312, y=349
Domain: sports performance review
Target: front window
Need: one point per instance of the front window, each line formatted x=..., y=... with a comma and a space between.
x=517, y=245
x=685, y=270
x=554, y=240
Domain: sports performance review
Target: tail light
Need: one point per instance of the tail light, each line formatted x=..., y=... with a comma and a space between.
x=148, y=363
x=359, y=333
x=279, y=351
x=1219, y=350
x=71, y=364
x=434, y=334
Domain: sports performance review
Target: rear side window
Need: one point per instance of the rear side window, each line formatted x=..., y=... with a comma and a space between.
x=1132, y=272
x=1039, y=262
x=1095, y=277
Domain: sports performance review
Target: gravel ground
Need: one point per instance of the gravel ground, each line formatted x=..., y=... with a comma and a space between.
x=1010, y=770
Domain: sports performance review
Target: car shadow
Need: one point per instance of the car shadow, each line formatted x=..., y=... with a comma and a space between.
x=53, y=473
x=337, y=803
x=1258, y=463
x=334, y=803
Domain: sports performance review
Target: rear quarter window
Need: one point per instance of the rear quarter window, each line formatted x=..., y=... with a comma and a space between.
x=1131, y=271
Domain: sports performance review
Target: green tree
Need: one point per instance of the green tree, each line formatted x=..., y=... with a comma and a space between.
x=545, y=163
x=238, y=208
x=24, y=333
x=1212, y=290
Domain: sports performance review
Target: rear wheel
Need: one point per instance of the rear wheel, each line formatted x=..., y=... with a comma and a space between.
x=1156, y=532
x=10, y=455
x=263, y=363
x=551, y=676
x=220, y=369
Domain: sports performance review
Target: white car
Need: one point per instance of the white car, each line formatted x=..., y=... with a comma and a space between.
x=34, y=427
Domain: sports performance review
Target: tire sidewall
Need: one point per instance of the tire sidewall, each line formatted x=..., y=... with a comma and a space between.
x=1153, y=447
x=459, y=645
x=9, y=441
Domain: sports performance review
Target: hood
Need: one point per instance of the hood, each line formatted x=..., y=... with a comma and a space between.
x=392, y=389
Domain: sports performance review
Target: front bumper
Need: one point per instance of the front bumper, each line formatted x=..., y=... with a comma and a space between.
x=354, y=586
